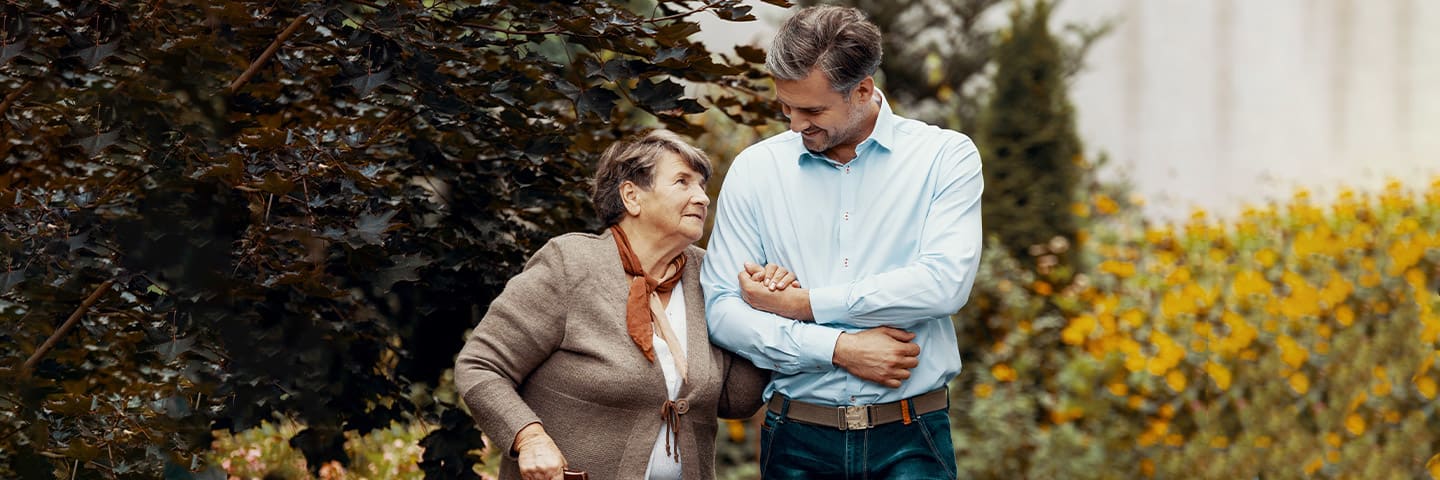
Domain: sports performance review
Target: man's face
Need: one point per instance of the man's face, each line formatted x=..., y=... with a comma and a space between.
x=823, y=117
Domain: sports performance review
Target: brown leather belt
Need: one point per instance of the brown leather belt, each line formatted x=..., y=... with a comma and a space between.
x=860, y=417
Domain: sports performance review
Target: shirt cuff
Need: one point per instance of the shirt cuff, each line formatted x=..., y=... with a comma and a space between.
x=818, y=348
x=828, y=304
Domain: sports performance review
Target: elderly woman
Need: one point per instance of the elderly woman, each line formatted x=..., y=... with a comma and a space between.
x=596, y=357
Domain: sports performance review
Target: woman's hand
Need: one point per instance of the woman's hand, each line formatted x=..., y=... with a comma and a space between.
x=772, y=276
x=539, y=458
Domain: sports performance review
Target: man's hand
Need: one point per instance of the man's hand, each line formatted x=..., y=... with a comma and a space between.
x=881, y=355
x=539, y=458
x=789, y=301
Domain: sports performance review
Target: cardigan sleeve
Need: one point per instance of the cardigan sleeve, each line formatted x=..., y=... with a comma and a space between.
x=744, y=387
x=519, y=332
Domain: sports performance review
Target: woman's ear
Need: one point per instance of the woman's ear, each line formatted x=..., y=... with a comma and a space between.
x=630, y=195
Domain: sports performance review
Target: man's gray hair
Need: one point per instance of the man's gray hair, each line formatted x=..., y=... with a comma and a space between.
x=634, y=161
x=840, y=41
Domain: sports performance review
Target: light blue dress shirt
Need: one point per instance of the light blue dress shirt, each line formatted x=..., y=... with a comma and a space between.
x=892, y=238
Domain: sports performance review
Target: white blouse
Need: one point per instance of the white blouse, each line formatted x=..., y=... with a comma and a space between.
x=662, y=466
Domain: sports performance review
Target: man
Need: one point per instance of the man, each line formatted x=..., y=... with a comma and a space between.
x=879, y=217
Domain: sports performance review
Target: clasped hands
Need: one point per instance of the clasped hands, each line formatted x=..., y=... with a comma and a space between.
x=882, y=355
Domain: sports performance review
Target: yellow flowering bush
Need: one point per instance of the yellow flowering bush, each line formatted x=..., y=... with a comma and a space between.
x=1296, y=340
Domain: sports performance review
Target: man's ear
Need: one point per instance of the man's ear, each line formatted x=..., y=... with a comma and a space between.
x=630, y=195
x=863, y=91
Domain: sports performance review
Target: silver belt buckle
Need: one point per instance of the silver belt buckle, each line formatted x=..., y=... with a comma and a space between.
x=855, y=417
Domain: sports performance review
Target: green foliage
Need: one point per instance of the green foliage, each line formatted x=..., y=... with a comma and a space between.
x=1028, y=139
x=295, y=208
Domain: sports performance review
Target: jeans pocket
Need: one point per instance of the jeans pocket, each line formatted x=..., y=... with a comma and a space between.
x=767, y=437
x=936, y=433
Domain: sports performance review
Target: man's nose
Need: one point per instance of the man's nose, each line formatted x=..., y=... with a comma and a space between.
x=798, y=122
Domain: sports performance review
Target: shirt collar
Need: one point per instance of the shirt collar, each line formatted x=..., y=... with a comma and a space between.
x=883, y=135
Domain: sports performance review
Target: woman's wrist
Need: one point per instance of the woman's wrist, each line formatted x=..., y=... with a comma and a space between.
x=527, y=436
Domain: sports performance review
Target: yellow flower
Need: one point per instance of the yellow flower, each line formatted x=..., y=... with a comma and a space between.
x=1382, y=387
x=1220, y=374
x=1080, y=210
x=1105, y=205
x=1147, y=467
x=1003, y=372
x=1313, y=466
x=1433, y=466
x=1300, y=383
x=1266, y=257
x=1119, y=389
x=1344, y=315
x=1355, y=424
x=984, y=390
x=1078, y=330
x=1175, y=380
x=1404, y=254
x=1333, y=439
x=1118, y=269
x=1174, y=440
x=1263, y=441
x=1426, y=386
x=1250, y=282
x=1220, y=442
x=1291, y=352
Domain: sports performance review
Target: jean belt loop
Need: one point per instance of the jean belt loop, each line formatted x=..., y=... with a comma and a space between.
x=784, y=406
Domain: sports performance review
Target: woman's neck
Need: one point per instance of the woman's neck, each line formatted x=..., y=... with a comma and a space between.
x=654, y=251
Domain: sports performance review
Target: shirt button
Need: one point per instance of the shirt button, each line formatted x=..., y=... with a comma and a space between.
x=846, y=264
x=852, y=399
x=847, y=170
x=847, y=216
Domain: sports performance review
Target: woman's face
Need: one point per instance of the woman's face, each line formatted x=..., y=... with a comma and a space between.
x=676, y=203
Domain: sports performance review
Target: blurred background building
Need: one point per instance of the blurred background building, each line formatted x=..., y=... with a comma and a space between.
x=1221, y=103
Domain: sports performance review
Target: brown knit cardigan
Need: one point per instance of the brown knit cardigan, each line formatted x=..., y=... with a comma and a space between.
x=553, y=348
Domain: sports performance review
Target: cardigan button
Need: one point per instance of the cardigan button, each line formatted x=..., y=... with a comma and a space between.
x=681, y=406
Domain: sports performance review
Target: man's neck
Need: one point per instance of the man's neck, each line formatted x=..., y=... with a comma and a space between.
x=845, y=151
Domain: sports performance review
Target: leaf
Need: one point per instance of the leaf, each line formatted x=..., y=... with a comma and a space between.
x=597, y=101
x=658, y=96
x=750, y=54
x=364, y=84
x=94, y=144
x=9, y=279
x=673, y=57
x=675, y=32
x=370, y=227
x=406, y=269
x=739, y=13
x=779, y=3
x=172, y=349
x=10, y=50
x=276, y=184
x=94, y=55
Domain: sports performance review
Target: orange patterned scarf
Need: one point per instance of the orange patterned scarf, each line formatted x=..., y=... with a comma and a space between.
x=643, y=311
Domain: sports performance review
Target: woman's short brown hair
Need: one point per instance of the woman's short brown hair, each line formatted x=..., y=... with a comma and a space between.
x=634, y=161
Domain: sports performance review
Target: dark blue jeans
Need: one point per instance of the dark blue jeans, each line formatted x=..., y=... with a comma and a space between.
x=920, y=450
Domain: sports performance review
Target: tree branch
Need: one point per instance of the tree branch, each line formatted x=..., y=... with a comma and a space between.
x=269, y=52
x=65, y=328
